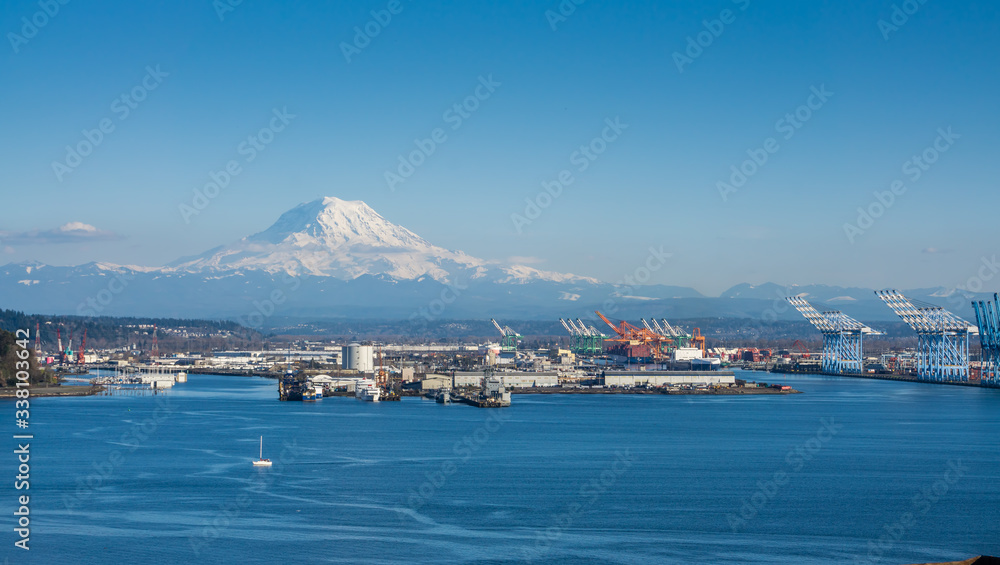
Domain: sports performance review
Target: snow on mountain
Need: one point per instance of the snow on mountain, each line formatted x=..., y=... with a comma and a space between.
x=343, y=239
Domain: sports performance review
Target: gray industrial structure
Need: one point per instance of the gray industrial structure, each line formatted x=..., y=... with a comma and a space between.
x=668, y=378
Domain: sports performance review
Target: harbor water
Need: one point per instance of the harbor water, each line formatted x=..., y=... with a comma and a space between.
x=850, y=471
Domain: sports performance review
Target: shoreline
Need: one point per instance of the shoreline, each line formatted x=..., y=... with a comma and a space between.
x=53, y=391
x=682, y=392
x=884, y=377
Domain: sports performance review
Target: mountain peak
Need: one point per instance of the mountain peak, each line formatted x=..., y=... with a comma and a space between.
x=334, y=223
x=347, y=239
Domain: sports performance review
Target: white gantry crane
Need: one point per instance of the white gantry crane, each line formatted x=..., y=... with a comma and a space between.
x=843, y=337
x=942, y=337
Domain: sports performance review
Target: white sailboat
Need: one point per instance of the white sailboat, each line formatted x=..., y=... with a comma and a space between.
x=261, y=462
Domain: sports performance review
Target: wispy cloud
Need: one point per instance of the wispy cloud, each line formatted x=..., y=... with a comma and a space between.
x=936, y=250
x=72, y=232
x=518, y=260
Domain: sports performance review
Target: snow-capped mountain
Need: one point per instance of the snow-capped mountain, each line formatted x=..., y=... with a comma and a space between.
x=332, y=258
x=331, y=237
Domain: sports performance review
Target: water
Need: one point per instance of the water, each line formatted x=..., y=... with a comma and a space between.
x=553, y=479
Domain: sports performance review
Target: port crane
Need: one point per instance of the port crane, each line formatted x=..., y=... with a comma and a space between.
x=586, y=340
x=509, y=338
x=942, y=337
x=698, y=340
x=634, y=341
x=843, y=348
x=80, y=357
x=391, y=384
x=988, y=320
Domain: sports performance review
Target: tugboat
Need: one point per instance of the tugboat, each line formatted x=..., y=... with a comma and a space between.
x=261, y=462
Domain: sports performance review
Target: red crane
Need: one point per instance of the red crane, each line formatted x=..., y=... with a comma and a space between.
x=802, y=349
x=80, y=359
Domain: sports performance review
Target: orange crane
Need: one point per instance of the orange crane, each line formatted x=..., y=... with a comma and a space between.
x=802, y=349
x=634, y=341
x=698, y=340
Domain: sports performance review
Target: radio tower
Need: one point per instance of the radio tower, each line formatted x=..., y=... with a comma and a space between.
x=942, y=338
x=156, y=345
x=843, y=338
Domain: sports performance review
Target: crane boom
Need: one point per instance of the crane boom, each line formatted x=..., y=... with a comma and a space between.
x=608, y=322
x=497, y=325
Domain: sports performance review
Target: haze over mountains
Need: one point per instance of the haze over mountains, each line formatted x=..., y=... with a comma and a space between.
x=331, y=258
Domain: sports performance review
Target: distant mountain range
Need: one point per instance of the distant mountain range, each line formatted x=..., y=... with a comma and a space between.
x=331, y=258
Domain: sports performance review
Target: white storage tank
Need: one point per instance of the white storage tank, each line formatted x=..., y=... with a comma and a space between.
x=358, y=357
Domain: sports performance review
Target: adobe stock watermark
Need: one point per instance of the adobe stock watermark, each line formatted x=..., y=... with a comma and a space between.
x=921, y=504
x=787, y=126
x=230, y=511
x=96, y=304
x=122, y=107
x=961, y=295
x=563, y=11
x=456, y=116
x=437, y=306
x=264, y=309
x=795, y=461
x=913, y=168
x=250, y=149
x=704, y=39
x=583, y=157
x=779, y=305
x=588, y=495
x=223, y=7
x=363, y=35
x=30, y=26
x=463, y=451
x=900, y=15
x=132, y=439
x=655, y=260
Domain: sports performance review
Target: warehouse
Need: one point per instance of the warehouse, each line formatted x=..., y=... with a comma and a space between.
x=661, y=378
x=513, y=379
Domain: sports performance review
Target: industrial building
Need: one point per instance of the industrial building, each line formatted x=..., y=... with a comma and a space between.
x=357, y=357
x=667, y=378
x=512, y=379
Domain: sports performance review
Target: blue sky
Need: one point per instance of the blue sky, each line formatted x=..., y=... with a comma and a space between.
x=220, y=80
